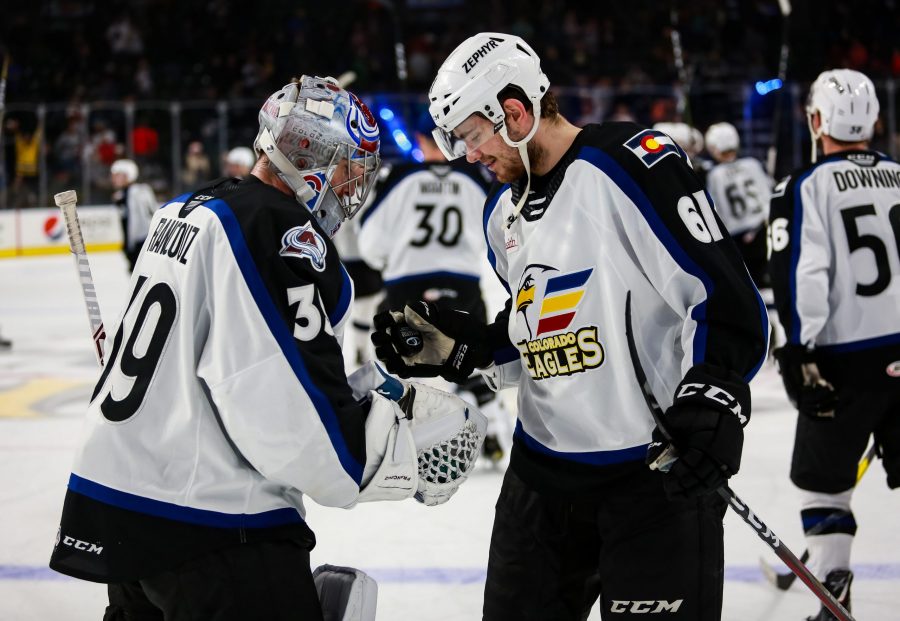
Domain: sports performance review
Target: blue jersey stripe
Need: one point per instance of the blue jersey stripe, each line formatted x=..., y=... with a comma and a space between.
x=878, y=341
x=430, y=275
x=488, y=210
x=180, y=513
x=506, y=354
x=343, y=304
x=567, y=281
x=593, y=458
x=282, y=335
x=631, y=189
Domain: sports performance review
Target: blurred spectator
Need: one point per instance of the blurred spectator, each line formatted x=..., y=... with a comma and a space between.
x=25, y=183
x=197, y=167
x=239, y=161
x=123, y=37
x=67, y=149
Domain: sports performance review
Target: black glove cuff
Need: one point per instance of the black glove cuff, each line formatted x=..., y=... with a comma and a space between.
x=709, y=386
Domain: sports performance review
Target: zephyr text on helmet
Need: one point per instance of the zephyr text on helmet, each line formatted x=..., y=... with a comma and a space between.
x=322, y=142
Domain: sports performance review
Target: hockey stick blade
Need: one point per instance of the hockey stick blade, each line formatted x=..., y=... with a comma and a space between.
x=737, y=505
x=67, y=201
x=784, y=581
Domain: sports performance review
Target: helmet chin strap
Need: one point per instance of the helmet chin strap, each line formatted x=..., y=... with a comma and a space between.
x=522, y=146
x=814, y=135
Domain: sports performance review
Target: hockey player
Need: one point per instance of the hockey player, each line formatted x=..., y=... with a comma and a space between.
x=690, y=139
x=834, y=229
x=137, y=203
x=597, y=233
x=740, y=189
x=239, y=162
x=423, y=231
x=224, y=400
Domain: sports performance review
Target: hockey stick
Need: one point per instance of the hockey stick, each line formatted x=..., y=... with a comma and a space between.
x=772, y=155
x=66, y=202
x=670, y=455
x=784, y=581
x=683, y=104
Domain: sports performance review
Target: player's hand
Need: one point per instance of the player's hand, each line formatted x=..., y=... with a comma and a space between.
x=708, y=448
x=811, y=394
x=426, y=341
x=706, y=426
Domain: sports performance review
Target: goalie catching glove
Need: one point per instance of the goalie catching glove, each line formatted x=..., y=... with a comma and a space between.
x=426, y=341
x=425, y=445
x=706, y=425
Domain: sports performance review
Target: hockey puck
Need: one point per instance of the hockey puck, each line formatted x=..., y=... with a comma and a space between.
x=408, y=341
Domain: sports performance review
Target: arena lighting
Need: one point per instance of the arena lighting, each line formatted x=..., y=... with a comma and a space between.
x=417, y=154
x=401, y=140
x=386, y=114
x=768, y=86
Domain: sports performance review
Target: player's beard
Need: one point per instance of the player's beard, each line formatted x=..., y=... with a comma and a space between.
x=507, y=165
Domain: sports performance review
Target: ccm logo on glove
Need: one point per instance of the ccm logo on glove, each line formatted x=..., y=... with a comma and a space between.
x=713, y=393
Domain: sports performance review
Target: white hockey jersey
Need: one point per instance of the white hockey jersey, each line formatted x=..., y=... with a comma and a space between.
x=224, y=399
x=835, y=262
x=621, y=213
x=138, y=204
x=424, y=222
x=740, y=190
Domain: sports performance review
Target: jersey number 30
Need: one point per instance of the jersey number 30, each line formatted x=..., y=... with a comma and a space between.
x=160, y=301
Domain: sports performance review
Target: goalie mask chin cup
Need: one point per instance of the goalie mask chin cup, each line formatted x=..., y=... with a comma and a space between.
x=323, y=142
x=847, y=105
x=469, y=81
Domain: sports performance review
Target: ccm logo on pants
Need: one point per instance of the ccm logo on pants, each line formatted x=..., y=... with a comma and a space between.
x=645, y=606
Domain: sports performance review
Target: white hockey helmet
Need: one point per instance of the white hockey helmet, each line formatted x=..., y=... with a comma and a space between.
x=847, y=104
x=241, y=156
x=125, y=167
x=688, y=138
x=307, y=129
x=722, y=137
x=469, y=81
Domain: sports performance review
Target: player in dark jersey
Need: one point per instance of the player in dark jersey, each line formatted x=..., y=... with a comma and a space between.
x=834, y=229
x=617, y=267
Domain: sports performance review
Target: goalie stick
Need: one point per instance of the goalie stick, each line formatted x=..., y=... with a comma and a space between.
x=66, y=201
x=670, y=455
x=784, y=581
x=683, y=94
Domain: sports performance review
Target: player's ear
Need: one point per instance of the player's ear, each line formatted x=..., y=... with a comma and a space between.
x=518, y=118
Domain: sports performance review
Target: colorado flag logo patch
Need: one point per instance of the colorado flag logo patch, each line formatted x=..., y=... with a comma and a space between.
x=650, y=146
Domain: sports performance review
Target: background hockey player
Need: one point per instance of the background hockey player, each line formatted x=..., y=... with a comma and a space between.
x=224, y=399
x=834, y=230
x=594, y=231
x=740, y=190
x=423, y=232
x=137, y=203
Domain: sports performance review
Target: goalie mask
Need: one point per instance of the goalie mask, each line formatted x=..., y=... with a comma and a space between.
x=847, y=106
x=323, y=142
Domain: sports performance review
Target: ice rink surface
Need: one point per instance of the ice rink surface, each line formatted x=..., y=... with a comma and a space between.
x=429, y=562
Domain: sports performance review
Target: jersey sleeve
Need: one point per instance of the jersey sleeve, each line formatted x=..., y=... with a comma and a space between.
x=685, y=252
x=271, y=362
x=507, y=367
x=800, y=259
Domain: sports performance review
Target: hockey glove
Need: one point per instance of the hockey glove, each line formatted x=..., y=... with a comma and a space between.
x=810, y=393
x=427, y=341
x=706, y=425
